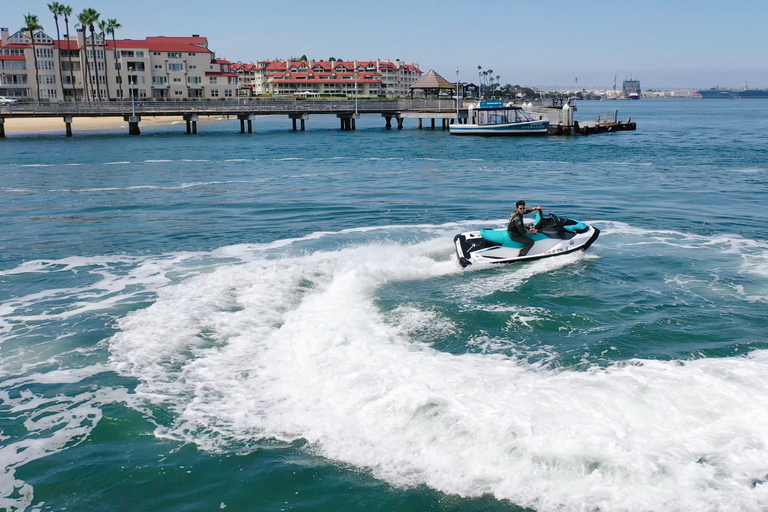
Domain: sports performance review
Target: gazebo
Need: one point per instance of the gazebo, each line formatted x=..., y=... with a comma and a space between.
x=432, y=83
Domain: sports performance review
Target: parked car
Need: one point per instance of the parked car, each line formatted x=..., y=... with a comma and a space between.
x=7, y=101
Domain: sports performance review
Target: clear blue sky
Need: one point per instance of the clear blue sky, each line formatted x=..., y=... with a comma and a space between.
x=665, y=44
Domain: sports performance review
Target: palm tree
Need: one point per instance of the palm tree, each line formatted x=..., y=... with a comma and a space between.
x=56, y=9
x=113, y=25
x=83, y=19
x=91, y=17
x=33, y=23
x=103, y=25
x=66, y=11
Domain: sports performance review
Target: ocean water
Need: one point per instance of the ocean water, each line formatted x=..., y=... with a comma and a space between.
x=277, y=321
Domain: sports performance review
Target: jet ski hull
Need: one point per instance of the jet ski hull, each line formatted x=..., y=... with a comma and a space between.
x=557, y=236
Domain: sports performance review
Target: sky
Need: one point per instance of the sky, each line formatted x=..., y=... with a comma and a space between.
x=571, y=44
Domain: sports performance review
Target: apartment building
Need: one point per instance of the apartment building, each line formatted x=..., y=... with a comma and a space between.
x=156, y=68
x=331, y=78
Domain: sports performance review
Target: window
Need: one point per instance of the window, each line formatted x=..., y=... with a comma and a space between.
x=13, y=79
x=192, y=80
x=214, y=93
x=45, y=64
x=228, y=93
x=47, y=79
x=212, y=80
x=126, y=53
x=156, y=54
x=174, y=55
x=158, y=66
x=175, y=66
x=192, y=67
x=159, y=80
x=177, y=79
x=15, y=64
x=140, y=53
x=191, y=54
x=178, y=93
x=44, y=52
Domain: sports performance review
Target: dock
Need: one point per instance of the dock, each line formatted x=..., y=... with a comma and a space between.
x=562, y=122
x=298, y=111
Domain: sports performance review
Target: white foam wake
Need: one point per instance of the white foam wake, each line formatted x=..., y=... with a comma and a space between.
x=297, y=348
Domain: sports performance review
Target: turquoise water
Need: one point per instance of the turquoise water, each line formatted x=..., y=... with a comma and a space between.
x=277, y=320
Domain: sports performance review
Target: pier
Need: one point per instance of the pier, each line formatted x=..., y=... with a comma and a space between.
x=298, y=111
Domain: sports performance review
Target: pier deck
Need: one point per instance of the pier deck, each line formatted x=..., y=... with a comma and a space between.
x=247, y=110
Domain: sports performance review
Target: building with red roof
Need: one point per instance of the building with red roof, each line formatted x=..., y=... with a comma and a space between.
x=333, y=78
x=177, y=68
x=157, y=68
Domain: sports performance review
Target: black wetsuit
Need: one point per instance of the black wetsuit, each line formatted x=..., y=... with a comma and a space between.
x=517, y=231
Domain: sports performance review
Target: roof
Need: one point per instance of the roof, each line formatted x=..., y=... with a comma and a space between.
x=432, y=80
x=156, y=44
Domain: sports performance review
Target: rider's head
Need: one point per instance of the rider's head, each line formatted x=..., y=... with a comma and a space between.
x=520, y=204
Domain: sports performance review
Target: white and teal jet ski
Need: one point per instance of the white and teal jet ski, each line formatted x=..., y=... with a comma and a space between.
x=556, y=235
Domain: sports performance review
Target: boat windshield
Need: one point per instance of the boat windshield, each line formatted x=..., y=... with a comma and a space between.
x=503, y=116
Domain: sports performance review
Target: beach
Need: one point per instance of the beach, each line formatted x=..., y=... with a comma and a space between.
x=55, y=125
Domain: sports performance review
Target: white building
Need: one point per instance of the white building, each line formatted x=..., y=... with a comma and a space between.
x=160, y=68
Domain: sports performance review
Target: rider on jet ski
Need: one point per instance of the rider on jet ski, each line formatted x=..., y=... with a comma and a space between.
x=518, y=230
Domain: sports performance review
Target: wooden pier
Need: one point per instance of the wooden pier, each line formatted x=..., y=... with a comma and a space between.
x=298, y=111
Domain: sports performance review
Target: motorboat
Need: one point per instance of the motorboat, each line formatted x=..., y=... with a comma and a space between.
x=555, y=236
x=495, y=118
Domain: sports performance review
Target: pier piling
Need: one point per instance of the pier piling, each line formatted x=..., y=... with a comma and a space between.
x=68, y=123
x=191, y=120
x=133, y=124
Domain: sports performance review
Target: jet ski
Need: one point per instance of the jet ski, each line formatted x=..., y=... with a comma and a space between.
x=556, y=235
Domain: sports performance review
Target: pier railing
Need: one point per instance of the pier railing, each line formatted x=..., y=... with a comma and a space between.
x=245, y=106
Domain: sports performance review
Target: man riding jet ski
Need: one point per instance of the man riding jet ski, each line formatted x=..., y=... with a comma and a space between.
x=544, y=237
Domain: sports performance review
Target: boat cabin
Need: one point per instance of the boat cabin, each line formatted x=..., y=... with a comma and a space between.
x=494, y=112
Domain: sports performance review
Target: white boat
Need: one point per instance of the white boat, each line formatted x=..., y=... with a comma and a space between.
x=494, y=118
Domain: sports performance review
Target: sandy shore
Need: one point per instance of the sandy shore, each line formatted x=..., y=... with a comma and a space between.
x=55, y=125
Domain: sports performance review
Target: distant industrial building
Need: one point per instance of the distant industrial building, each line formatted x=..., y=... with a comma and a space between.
x=631, y=89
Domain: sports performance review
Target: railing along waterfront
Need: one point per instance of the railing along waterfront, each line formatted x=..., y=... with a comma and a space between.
x=256, y=106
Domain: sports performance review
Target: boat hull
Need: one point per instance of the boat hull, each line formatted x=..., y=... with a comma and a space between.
x=506, y=129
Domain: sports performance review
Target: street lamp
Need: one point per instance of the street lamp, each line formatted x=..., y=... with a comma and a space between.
x=457, y=93
x=355, y=89
x=130, y=86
